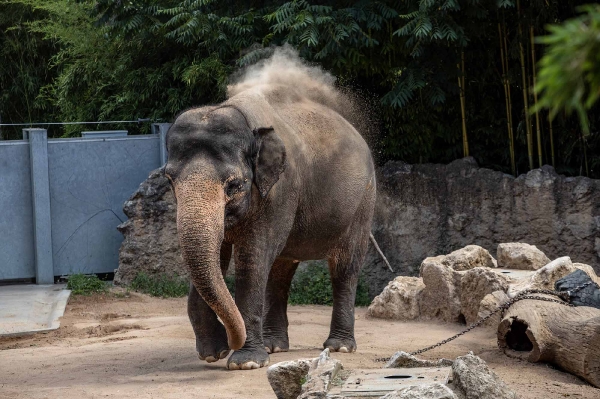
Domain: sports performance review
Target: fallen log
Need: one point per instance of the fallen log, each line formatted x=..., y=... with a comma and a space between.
x=568, y=337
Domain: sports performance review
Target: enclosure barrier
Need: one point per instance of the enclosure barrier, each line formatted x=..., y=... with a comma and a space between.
x=62, y=200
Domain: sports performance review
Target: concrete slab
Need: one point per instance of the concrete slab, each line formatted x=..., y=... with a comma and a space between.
x=365, y=383
x=26, y=309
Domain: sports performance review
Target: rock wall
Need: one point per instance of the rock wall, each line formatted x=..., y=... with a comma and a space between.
x=151, y=244
x=422, y=211
x=427, y=210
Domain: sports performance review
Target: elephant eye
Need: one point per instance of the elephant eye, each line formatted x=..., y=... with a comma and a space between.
x=233, y=187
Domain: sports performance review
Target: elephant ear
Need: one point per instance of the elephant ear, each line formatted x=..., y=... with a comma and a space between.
x=269, y=159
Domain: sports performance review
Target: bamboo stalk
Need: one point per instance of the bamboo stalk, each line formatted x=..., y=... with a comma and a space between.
x=535, y=98
x=461, y=86
x=506, y=85
x=512, y=131
x=583, y=143
x=551, y=139
x=525, y=99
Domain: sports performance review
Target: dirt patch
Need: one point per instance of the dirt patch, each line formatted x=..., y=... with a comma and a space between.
x=143, y=347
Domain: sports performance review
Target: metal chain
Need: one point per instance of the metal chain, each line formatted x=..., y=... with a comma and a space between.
x=565, y=297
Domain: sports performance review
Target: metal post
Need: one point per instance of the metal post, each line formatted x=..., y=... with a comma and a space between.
x=161, y=129
x=40, y=191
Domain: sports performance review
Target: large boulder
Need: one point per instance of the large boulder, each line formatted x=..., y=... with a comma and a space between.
x=321, y=373
x=440, y=299
x=286, y=378
x=474, y=286
x=469, y=257
x=304, y=378
x=399, y=300
x=544, y=278
x=518, y=255
x=151, y=243
x=472, y=375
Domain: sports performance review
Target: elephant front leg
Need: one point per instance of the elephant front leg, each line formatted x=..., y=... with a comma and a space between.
x=250, y=283
x=275, y=328
x=211, y=337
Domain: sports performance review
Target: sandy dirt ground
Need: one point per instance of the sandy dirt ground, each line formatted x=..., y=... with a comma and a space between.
x=143, y=347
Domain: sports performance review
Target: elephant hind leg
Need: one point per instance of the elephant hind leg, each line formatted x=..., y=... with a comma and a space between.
x=345, y=263
x=275, y=325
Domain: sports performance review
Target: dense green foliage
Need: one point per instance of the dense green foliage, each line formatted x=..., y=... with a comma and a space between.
x=162, y=285
x=312, y=286
x=115, y=60
x=570, y=71
x=83, y=284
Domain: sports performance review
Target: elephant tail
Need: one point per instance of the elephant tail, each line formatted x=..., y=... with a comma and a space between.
x=380, y=252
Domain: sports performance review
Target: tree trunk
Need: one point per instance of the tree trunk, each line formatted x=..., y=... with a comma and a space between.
x=568, y=337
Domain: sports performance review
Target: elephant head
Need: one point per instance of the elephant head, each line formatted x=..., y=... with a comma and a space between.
x=215, y=162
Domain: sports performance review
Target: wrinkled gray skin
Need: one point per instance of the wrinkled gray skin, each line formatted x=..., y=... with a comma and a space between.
x=282, y=179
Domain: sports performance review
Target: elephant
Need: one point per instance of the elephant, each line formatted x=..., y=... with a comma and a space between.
x=272, y=178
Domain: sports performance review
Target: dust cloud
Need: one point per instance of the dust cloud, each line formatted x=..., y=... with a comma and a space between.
x=293, y=78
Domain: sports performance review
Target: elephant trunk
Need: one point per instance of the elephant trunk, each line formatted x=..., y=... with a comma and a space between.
x=200, y=226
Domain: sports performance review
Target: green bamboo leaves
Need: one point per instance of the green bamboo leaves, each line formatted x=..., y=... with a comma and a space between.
x=569, y=74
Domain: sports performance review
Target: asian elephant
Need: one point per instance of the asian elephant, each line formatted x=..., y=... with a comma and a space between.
x=274, y=178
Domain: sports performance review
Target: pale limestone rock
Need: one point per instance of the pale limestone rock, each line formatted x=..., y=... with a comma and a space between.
x=440, y=299
x=433, y=391
x=402, y=359
x=490, y=303
x=469, y=257
x=286, y=377
x=475, y=285
x=472, y=375
x=544, y=278
x=517, y=255
x=322, y=371
x=399, y=300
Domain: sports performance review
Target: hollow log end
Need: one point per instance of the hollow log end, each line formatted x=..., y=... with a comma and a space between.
x=517, y=340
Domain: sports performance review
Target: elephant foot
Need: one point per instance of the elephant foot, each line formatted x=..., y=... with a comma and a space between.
x=212, y=349
x=344, y=345
x=276, y=343
x=248, y=359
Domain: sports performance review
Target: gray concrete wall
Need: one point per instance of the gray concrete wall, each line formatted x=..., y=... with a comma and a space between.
x=17, y=258
x=68, y=223
x=90, y=179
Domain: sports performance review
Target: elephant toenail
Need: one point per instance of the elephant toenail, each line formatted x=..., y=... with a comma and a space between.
x=276, y=349
x=233, y=366
x=250, y=366
x=223, y=354
x=211, y=359
x=343, y=349
x=268, y=349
